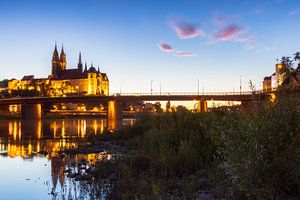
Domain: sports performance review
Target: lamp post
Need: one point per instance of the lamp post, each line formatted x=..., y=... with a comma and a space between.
x=241, y=79
x=151, y=86
x=198, y=87
x=159, y=88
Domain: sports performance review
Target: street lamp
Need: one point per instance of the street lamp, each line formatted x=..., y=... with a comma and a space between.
x=159, y=88
x=151, y=86
x=198, y=87
x=241, y=80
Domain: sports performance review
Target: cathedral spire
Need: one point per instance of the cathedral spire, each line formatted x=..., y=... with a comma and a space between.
x=55, y=54
x=55, y=62
x=98, y=69
x=85, y=67
x=80, y=58
x=63, y=59
x=62, y=49
x=80, y=62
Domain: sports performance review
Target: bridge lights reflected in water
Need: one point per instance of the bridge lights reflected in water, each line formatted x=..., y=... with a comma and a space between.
x=26, y=138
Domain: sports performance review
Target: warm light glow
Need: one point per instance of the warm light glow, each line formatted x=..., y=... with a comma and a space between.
x=272, y=97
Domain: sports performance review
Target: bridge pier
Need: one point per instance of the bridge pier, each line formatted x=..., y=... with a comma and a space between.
x=251, y=106
x=114, y=115
x=31, y=111
x=202, y=106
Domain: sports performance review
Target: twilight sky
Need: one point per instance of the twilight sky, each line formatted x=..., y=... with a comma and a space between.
x=172, y=42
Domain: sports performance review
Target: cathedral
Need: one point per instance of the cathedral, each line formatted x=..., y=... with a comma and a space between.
x=63, y=81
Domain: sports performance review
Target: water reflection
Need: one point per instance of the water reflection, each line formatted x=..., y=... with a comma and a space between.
x=24, y=139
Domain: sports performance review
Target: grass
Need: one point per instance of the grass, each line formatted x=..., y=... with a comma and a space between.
x=178, y=154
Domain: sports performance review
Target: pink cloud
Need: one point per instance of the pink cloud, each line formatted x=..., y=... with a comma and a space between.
x=165, y=47
x=186, y=30
x=228, y=32
x=185, y=54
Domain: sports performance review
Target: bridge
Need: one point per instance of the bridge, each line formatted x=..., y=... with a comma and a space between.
x=31, y=107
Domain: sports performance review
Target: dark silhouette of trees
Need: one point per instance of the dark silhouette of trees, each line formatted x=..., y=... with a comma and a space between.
x=297, y=57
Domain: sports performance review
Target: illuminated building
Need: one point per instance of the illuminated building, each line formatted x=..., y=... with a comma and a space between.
x=276, y=79
x=283, y=77
x=63, y=81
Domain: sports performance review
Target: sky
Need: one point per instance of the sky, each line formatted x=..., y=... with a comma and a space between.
x=173, y=45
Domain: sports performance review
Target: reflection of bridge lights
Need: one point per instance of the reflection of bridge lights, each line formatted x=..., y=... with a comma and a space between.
x=63, y=130
x=95, y=126
x=272, y=97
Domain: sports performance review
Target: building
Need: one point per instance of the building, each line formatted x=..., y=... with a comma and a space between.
x=276, y=79
x=63, y=81
x=284, y=77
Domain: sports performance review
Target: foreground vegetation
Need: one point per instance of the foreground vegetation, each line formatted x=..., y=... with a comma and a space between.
x=180, y=155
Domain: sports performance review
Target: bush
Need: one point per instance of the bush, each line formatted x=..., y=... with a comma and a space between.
x=264, y=159
x=254, y=157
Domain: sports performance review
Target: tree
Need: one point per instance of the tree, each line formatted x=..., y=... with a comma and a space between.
x=252, y=86
x=297, y=57
x=288, y=63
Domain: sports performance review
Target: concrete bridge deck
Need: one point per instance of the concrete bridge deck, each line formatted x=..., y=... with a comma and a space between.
x=216, y=96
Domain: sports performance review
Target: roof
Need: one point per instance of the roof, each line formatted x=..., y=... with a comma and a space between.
x=28, y=78
x=71, y=74
x=104, y=76
x=92, y=70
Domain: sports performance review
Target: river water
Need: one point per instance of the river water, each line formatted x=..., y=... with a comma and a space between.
x=27, y=174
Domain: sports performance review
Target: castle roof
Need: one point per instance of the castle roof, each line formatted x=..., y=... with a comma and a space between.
x=28, y=78
x=104, y=76
x=92, y=70
x=70, y=74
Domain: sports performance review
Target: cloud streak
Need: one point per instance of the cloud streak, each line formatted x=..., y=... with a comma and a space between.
x=185, y=54
x=250, y=45
x=186, y=30
x=165, y=47
x=228, y=33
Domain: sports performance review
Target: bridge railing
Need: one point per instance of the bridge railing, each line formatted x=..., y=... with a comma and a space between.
x=190, y=93
x=159, y=94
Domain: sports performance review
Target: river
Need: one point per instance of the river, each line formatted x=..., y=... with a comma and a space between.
x=27, y=174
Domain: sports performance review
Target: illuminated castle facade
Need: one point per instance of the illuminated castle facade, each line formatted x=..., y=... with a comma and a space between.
x=63, y=81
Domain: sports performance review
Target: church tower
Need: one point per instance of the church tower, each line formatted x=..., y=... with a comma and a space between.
x=63, y=59
x=79, y=66
x=55, y=63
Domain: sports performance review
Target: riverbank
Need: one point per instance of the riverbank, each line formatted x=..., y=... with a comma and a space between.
x=223, y=155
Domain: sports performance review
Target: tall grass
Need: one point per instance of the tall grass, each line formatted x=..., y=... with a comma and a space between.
x=256, y=156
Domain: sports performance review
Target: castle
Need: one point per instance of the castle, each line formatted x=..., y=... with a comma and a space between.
x=63, y=81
